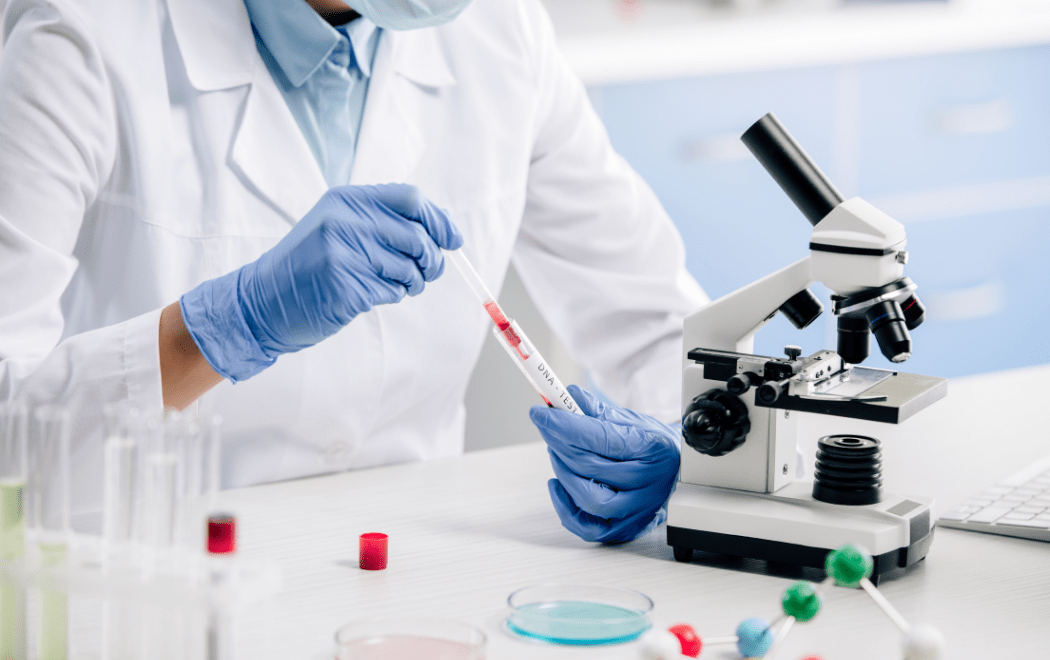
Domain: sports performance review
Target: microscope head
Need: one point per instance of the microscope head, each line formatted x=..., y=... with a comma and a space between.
x=857, y=251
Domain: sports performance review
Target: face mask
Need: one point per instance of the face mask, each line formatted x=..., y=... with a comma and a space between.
x=408, y=14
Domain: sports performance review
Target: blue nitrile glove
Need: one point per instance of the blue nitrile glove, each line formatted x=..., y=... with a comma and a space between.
x=615, y=467
x=358, y=247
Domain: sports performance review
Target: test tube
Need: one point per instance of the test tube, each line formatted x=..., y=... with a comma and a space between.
x=124, y=435
x=14, y=470
x=50, y=497
x=120, y=446
x=198, y=447
x=164, y=452
x=522, y=352
x=222, y=543
x=160, y=489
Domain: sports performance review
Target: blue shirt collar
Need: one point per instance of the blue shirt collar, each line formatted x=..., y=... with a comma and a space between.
x=300, y=40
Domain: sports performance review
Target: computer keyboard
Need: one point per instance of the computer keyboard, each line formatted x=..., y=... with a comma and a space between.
x=1017, y=506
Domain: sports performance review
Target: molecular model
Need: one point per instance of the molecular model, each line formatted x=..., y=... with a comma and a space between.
x=849, y=566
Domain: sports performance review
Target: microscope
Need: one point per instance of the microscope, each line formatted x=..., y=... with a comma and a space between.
x=738, y=493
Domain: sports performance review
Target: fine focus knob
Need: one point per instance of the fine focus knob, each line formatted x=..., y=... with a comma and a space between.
x=715, y=423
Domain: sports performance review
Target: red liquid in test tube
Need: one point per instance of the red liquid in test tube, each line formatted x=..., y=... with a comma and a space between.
x=528, y=360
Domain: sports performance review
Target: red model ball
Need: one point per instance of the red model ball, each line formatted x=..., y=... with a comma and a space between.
x=688, y=638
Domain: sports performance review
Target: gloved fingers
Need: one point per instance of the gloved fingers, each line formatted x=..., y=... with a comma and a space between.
x=592, y=406
x=570, y=434
x=407, y=201
x=599, y=499
x=592, y=528
x=399, y=270
x=622, y=475
x=589, y=495
x=408, y=238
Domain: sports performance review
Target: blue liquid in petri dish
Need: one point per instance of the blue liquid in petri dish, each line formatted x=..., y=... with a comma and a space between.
x=579, y=623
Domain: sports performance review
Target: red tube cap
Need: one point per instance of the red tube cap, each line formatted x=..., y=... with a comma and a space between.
x=222, y=534
x=372, y=555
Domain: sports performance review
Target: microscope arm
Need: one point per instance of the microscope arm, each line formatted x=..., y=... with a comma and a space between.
x=730, y=323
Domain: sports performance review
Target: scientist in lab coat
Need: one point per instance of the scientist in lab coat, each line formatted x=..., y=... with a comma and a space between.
x=254, y=194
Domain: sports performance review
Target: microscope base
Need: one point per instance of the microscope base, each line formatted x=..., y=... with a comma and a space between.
x=790, y=527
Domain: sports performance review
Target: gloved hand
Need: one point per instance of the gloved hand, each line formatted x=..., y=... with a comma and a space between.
x=615, y=467
x=358, y=247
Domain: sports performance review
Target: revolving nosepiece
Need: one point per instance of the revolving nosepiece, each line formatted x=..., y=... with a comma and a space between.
x=889, y=312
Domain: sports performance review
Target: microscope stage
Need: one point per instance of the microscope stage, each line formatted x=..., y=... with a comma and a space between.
x=906, y=394
x=790, y=527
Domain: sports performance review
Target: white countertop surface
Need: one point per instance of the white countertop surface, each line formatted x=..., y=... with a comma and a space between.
x=682, y=38
x=466, y=532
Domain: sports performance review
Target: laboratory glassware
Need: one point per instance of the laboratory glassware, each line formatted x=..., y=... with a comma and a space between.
x=50, y=506
x=395, y=639
x=14, y=470
x=536, y=369
x=578, y=614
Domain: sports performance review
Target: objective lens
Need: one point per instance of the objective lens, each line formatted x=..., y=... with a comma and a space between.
x=802, y=308
x=914, y=312
x=886, y=320
x=853, y=344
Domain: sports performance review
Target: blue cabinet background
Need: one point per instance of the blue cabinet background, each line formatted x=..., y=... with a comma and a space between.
x=921, y=136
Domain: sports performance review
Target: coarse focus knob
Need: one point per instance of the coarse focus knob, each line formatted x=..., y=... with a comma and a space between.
x=715, y=423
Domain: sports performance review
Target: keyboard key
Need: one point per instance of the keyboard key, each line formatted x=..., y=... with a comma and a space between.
x=998, y=490
x=978, y=503
x=1039, y=501
x=989, y=514
x=1017, y=516
x=955, y=515
x=1038, y=524
x=1029, y=509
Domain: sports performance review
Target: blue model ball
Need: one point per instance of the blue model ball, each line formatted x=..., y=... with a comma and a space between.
x=754, y=638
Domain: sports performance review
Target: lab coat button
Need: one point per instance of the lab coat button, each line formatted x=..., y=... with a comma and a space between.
x=337, y=452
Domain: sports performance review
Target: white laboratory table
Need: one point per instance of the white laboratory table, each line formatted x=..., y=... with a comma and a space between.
x=465, y=532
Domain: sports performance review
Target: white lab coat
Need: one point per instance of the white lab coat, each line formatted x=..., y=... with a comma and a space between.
x=144, y=148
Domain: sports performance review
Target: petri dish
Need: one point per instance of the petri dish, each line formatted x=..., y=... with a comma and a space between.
x=397, y=639
x=578, y=615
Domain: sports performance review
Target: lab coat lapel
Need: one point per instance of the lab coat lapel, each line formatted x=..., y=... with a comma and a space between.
x=409, y=66
x=271, y=153
x=268, y=150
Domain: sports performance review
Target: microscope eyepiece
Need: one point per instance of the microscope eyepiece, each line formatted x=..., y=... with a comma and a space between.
x=792, y=168
x=887, y=323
